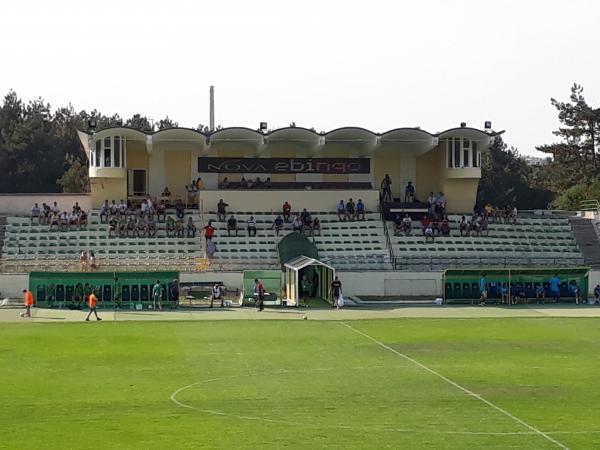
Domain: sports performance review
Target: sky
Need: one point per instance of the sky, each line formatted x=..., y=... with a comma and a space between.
x=324, y=64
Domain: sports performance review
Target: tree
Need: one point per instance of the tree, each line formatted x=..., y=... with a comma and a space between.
x=139, y=122
x=575, y=157
x=75, y=179
x=165, y=123
x=506, y=180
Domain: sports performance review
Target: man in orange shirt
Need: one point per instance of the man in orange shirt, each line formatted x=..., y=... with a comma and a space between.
x=92, y=301
x=28, y=297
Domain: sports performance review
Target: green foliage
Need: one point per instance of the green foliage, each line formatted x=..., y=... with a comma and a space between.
x=75, y=179
x=505, y=180
x=571, y=198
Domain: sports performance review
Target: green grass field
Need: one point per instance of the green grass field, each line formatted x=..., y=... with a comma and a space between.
x=301, y=384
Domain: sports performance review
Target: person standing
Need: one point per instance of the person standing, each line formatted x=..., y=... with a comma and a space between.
x=157, y=292
x=483, y=290
x=216, y=294
x=336, y=292
x=92, y=302
x=28, y=301
x=386, y=188
x=555, y=288
x=260, y=293
x=209, y=231
x=306, y=289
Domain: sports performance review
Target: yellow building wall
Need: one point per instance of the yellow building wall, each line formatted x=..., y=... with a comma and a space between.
x=107, y=189
x=387, y=163
x=461, y=194
x=429, y=173
x=137, y=158
x=177, y=168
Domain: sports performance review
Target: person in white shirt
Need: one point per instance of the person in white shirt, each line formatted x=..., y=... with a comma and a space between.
x=297, y=224
x=55, y=208
x=144, y=207
x=407, y=224
x=251, y=226
x=122, y=208
x=113, y=208
x=216, y=294
x=104, y=211
x=35, y=212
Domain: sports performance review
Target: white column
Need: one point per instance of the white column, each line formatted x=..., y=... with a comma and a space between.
x=408, y=172
x=156, y=172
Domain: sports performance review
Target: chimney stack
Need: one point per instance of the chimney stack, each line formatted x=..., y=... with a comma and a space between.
x=212, y=108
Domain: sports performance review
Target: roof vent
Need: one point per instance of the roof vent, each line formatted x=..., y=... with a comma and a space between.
x=463, y=124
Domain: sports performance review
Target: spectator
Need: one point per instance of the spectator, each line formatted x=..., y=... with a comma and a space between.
x=504, y=294
x=597, y=293
x=191, y=194
x=199, y=184
x=360, y=210
x=251, y=226
x=131, y=227
x=484, y=226
x=122, y=226
x=407, y=224
x=409, y=193
x=431, y=204
x=83, y=219
x=341, y=210
x=258, y=184
x=350, y=210
x=506, y=212
x=304, y=216
x=224, y=184
x=307, y=224
x=73, y=218
x=540, y=293
x=112, y=226
x=243, y=183
x=297, y=224
x=104, y=212
x=574, y=291
x=35, y=213
x=143, y=208
x=250, y=184
x=54, y=221
x=211, y=249
x=441, y=204
x=179, y=228
x=221, y=211
x=287, y=211
x=191, y=228
x=216, y=294
x=166, y=192
x=179, y=209
x=55, y=209
x=260, y=293
x=170, y=227
x=445, y=227
x=232, y=225
x=122, y=208
x=268, y=183
x=83, y=260
x=209, y=231
x=555, y=288
x=113, y=208
x=151, y=225
x=429, y=236
x=475, y=225
x=92, y=260
x=464, y=227
x=386, y=188
x=161, y=210
x=488, y=210
x=76, y=208
x=277, y=224
x=435, y=226
x=513, y=215
x=398, y=225
x=63, y=221
x=316, y=226
x=46, y=213
x=483, y=289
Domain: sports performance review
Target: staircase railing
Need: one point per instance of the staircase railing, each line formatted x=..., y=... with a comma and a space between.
x=388, y=241
x=592, y=206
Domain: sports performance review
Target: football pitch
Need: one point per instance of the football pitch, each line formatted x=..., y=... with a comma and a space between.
x=530, y=383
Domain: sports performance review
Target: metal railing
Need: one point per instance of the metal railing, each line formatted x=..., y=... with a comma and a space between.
x=435, y=263
x=388, y=241
x=592, y=206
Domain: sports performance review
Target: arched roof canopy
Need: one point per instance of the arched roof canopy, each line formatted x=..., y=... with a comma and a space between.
x=410, y=141
x=361, y=140
x=236, y=138
x=292, y=138
x=179, y=139
x=131, y=134
x=483, y=139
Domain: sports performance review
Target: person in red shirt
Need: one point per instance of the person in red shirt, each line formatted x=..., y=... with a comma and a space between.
x=260, y=292
x=425, y=223
x=28, y=300
x=287, y=211
x=92, y=302
x=209, y=231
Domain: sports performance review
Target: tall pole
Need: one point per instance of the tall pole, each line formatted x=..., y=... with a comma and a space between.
x=212, y=108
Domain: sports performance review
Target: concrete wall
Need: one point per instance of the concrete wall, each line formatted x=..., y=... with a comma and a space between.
x=268, y=200
x=107, y=189
x=20, y=204
x=392, y=283
x=12, y=284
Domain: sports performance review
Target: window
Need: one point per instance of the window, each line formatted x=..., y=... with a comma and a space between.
x=449, y=151
x=117, y=151
x=466, y=152
x=107, y=158
x=97, y=158
x=456, y=152
x=476, y=156
x=461, y=153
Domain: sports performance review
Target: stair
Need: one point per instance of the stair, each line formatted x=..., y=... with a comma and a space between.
x=2, y=233
x=587, y=239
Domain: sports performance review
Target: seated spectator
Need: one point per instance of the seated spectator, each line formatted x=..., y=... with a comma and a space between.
x=142, y=227
x=360, y=210
x=73, y=218
x=55, y=209
x=232, y=225
x=166, y=192
x=161, y=210
x=151, y=227
x=191, y=228
x=112, y=226
x=316, y=226
x=170, y=227
x=597, y=293
x=475, y=226
x=409, y=193
x=488, y=210
x=424, y=223
x=221, y=211
x=504, y=294
x=199, y=185
x=398, y=225
x=179, y=209
x=287, y=211
x=83, y=219
x=76, y=208
x=304, y=216
x=224, y=184
x=209, y=231
x=191, y=194
x=113, y=209
x=104, y=212
x=268, y=183
x=179, y=228
x=46, y=213
x=122, y=225
x=341, y=210
x=445, y=227
x=441, y=204
x=35, y=213
x=350, y=210
x=277, y=224
x=250, y=184
x=429, y=235
x=251, y=226
x=148, y=202
x=132, y=227
x=54, y=220
x=464, y=227
x=63, y=221
x=297, y=224
x=574, y=291
x=122, y=208
x=144, y=208
x=243, y=183
x=513, y=215
x=258, y=184
x=484, y=226
x=506, y=212
x=407, y=224
x=436, y=227
x=540, y=294
x=307, y=223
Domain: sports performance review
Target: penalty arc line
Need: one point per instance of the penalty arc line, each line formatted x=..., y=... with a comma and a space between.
x=458, y=386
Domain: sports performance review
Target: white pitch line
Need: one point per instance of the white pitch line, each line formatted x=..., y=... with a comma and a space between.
x=458, y=386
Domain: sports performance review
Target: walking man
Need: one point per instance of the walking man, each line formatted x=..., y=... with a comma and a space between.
x=92, y=302
x=336, y=291
x=306, y=289
x=483, y=290
x=555, y=288
x=157, y=292
x=260, y=292
x=28, y=300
